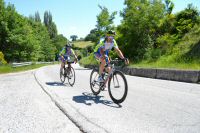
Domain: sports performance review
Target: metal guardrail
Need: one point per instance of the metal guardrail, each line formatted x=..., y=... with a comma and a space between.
x=15, y=64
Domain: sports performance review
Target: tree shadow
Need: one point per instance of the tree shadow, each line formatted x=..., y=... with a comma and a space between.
x=55, y=84
x=86, y=97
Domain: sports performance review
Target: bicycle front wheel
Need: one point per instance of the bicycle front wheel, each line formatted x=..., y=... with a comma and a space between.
x=71, y=76
x=94, y=84
x=117, y=87
x=62, y=75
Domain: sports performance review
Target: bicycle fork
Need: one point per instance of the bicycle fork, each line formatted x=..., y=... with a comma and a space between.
x=115, y=77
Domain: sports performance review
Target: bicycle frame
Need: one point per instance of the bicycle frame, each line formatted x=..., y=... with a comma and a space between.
x=68, y=73
x=113, y=82
x=109, y=75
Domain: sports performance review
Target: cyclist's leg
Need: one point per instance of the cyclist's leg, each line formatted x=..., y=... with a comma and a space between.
x=108, y=68
x=101, y=59
x=68, y=64
x=62, y=64
x=102, y=65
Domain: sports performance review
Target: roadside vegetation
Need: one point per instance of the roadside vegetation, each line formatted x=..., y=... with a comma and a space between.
x=10, y=69
x=83, y=44
x=150, y=35
x=28, y=38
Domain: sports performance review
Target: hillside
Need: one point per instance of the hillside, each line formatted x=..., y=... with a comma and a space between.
x=83, y=44
x=184, y=55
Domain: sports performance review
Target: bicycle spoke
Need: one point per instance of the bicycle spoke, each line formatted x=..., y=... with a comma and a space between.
x=116, y=86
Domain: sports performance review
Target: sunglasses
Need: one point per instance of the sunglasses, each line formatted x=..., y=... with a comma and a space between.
x=110, y=37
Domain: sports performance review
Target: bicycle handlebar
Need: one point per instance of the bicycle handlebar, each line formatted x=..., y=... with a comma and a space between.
x=118, y=62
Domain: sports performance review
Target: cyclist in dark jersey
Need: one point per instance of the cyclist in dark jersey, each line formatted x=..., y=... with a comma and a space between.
x=65, y=55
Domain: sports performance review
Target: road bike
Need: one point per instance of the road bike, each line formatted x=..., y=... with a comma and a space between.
x=117, y=83
x=67, y=72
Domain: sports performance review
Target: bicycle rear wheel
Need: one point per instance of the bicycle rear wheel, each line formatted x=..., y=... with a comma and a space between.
x=71, y=76
x=117, y=87
x=62, y=75
x=94, y=84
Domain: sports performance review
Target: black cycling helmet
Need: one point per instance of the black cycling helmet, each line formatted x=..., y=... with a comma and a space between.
x=68, y=45
x=111, y=33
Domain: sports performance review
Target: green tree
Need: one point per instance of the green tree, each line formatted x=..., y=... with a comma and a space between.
x=139, y=28
x=3, y=26
x=51, y=26
x=92, y=36
x=25, y=39
x=31, y=17
x=186, y=19
x=45, y=46
x=73, y=37
x=47, y=18
x=17, y=44
x=169, y=5
x=37, y=17
x=104, y=21
x=59, y=42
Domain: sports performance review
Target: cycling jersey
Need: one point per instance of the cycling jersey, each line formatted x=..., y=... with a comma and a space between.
x=106, y=46
x=66, y=52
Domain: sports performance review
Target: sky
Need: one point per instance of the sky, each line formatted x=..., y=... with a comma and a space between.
x=78, y=17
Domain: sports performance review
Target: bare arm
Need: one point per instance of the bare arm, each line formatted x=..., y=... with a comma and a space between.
x=119, y=53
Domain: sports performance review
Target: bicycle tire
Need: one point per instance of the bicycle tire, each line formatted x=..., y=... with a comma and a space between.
x=95, y=92
x=62, y=75
x=73, y=76
x=120, y=100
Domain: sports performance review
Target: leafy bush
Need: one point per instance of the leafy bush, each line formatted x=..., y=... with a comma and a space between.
x=2, y=60
x=153, y=54
x=166, y=43
x=89, y=60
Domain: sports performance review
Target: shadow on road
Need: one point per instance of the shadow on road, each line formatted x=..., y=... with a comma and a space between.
x=55, y=84
x=86, y=99
x=82, y=69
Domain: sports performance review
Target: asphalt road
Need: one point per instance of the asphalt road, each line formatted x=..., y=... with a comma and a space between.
x=152, y=106
x=36, y=101
x=25, y=108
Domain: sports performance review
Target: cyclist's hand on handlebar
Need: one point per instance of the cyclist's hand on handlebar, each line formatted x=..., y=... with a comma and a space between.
x=126, y=61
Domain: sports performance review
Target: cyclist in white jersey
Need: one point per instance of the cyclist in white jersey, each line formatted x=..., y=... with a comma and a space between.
x=101, y=52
